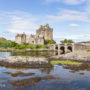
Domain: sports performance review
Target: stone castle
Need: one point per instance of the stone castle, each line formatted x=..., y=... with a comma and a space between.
x=42, y=34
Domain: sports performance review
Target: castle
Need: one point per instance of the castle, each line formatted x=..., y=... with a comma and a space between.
x=42, y=34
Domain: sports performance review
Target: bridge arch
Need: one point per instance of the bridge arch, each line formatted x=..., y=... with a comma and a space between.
x=62, y=49
x=56, y=47
x=69, y=49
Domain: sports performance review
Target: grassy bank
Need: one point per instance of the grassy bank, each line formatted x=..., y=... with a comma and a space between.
x=88, y=50
x=65, y=62
x=23, y=47
x=7, y=44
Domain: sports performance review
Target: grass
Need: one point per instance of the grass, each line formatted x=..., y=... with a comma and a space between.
x=88, y=50
x=65, y=62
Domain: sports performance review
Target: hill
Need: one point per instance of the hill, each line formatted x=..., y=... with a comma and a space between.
x=4, y=42
x=88, y=42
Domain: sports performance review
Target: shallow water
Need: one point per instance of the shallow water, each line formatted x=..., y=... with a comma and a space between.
x=54, y=78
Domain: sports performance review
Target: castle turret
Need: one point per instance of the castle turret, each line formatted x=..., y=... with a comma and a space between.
x=20, y=38
x=46, y=32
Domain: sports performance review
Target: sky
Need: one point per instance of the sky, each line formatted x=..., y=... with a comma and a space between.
x=69, y=18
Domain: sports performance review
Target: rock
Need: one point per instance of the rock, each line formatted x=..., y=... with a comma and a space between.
x=78, y=56
x=23, y=61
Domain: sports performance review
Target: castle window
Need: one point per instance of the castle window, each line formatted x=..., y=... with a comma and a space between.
x=33, y=42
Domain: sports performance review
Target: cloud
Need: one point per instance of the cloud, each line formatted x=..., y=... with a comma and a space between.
x=68, y=15
x=69, y=2
x=80, y=37
x=74, y=2
x=74, y=25
x=76, y=37
x=18, y=22
x=20, y=25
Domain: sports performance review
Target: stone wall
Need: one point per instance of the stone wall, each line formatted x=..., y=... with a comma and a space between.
x=18, y=40
x=42, y=34
x=80, y=46
x=34, y=40
x=70, y=47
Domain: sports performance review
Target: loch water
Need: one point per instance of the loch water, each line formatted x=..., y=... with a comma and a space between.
x=57, y=77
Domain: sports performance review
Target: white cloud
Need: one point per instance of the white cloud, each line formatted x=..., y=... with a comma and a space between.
x=74, y=2
x=19, y=25
x=18, y=22
x=69, y=2
x=74, y=25
x=80, y=37
x=76, y=37
x=68, y=15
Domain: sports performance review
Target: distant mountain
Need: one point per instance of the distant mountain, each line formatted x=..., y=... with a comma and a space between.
x=3, y=40
x=84, y=42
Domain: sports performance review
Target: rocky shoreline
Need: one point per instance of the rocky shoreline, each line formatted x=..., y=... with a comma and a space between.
x=74, y=56
x=30, y=62
x=27, y=62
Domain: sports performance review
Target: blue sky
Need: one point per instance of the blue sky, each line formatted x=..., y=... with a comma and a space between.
x=68, y=18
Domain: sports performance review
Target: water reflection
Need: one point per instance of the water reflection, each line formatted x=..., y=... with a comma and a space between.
x=85, y=67
x=57, y=77
x=38, y=54
x=17, y=74
x=31, y=81
x=4, y=55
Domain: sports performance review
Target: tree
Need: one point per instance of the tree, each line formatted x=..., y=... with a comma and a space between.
x=50, y=42
x=13, y=44
x=67, y=41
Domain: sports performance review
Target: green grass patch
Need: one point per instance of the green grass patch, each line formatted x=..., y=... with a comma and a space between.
x=88, y=50
x=33, y=47
x=65, y=62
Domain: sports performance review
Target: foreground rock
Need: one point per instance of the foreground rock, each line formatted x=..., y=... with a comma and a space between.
x=21, y=61
x=77, y=56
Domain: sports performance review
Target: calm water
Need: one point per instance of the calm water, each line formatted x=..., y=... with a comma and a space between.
x=54, y=78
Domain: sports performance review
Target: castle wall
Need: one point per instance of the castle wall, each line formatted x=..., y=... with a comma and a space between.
x=42, y=34
x=39, y=41
x=81, y=46
x=46, y=32
x=18, y=40
x=23, y=39
x=34, y=40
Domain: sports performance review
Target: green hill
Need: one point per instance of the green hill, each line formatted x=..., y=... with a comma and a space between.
x=88, y=42
x=4, y=42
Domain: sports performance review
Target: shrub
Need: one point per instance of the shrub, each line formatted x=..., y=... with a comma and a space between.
x=13, y=44
x=50, y=42
x=24, y=46
x=67, y=41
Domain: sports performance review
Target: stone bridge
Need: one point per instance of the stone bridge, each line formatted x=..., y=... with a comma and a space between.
x=66, y=48
x=63, y=48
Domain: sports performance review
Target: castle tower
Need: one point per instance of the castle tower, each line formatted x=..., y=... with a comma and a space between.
x=20, y=38
x=46, y=32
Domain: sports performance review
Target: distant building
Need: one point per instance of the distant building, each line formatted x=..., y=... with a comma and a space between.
x=42, y=34
x=20, y=38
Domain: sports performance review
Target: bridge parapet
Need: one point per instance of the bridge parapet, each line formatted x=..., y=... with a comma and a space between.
x=64, y=47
